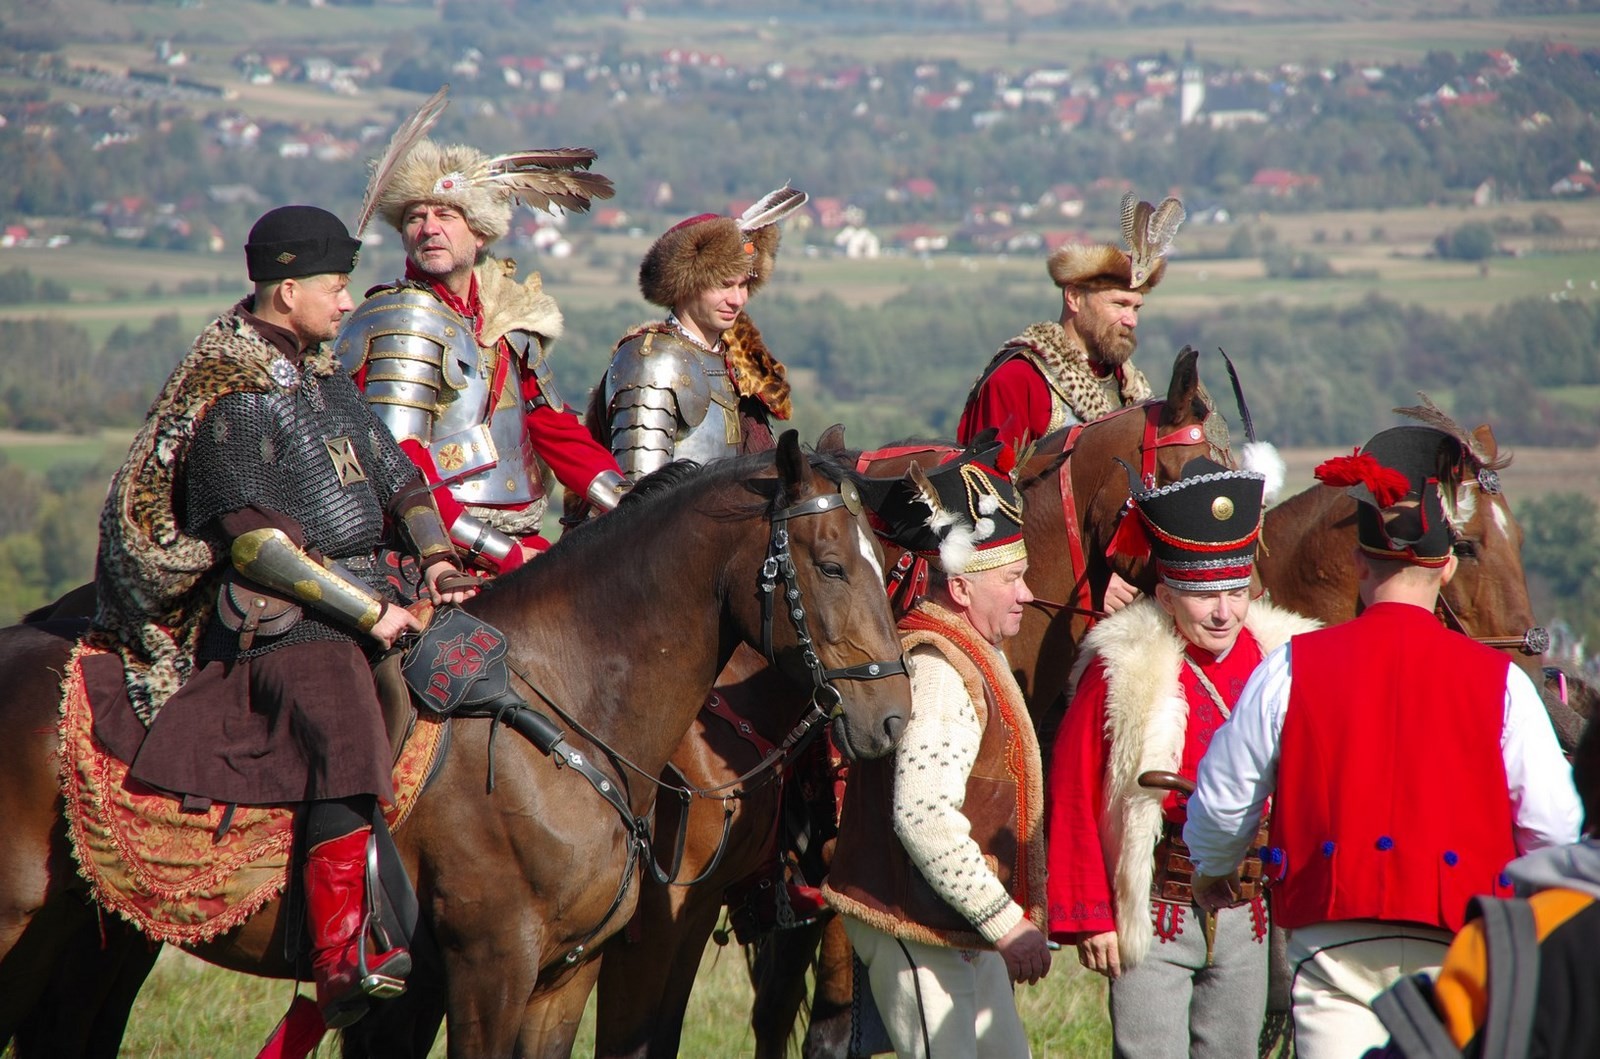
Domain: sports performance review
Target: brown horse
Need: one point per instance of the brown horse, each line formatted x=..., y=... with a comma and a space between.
x=617, y=633
x=647, y=975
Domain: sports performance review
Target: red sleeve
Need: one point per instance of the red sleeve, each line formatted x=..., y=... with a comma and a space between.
x=1015, y=399
x=564, y=443
x=1079, y=887
x=449, y=507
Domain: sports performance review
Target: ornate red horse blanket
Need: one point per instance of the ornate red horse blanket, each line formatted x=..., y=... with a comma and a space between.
x=179, y=876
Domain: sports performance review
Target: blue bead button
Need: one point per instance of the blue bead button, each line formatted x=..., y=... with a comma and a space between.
x=1385, y=843
x=1327, y=849
x=1450, y=857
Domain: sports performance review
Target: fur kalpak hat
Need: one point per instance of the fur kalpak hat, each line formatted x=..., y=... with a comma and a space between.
x=1149, y=231
x=1203, y=528
x=708, y=250
x=964, y=514
x=1394, y=479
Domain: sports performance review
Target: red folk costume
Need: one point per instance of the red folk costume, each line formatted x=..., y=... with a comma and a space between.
x=1154, y=714
x=1148, y=699
x=465, y=383
x=1409, y=763
x=1410, y=856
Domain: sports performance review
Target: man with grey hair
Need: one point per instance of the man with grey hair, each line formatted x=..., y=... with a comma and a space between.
x=939, y=866
x=455, y=357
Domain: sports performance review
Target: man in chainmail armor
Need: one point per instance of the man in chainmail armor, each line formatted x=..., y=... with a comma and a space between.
x=240, y=581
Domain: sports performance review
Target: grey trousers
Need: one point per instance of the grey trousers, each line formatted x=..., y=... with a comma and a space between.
x=1173, y=1006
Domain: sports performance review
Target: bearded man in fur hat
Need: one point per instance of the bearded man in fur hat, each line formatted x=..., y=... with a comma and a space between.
x=242, y=583
x=455, y=356
x=1079, y=368
x=1152, y=685
x=701, y=384
x=939, y=865
x=1406, y=764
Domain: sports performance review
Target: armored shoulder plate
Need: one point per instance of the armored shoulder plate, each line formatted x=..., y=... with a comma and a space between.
x=660, y=360
x=414, y=348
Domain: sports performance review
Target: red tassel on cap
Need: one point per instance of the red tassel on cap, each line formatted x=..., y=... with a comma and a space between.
x=1388, y=485
x=1005, y=460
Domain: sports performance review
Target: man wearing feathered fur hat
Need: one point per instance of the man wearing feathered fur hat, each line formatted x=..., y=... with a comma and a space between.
x=1152, y=684
x=1406, y=763
x=455, y=356
x=939, y=865
x=241, y=578
x=1079, y=368
x=701, y=384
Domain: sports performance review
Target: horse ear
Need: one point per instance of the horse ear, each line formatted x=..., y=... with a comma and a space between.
x=793, y=468
x=831, y=443
x=1185, y=386
x=1485, y=437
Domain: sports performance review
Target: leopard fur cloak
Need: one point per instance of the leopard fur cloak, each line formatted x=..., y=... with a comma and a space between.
x=156, y=583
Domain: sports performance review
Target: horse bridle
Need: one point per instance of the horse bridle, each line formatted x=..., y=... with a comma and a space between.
x=780, y=564
x=1536, y=640
x=544, y=735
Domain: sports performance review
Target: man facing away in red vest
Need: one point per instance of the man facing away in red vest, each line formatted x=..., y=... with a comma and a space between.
x=1407, y=765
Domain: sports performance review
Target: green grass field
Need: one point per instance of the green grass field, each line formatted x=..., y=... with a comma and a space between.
x=190, y=1010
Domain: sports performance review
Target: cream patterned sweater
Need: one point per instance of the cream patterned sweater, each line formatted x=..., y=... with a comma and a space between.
x=935, y=757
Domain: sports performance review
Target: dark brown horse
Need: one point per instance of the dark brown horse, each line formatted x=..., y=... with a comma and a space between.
x=647, y=975
x=622, y=627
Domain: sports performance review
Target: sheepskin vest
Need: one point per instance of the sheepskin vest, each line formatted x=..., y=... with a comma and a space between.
x=872, y=877
x=1147, y=721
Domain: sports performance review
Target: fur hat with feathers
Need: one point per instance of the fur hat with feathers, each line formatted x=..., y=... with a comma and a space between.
x=705, y=252
x=484, y=189
x=1098, y=266
x=709, y=250
x=487, y=211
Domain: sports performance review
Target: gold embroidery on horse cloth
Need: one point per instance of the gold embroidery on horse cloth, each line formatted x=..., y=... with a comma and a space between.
x=166, y=871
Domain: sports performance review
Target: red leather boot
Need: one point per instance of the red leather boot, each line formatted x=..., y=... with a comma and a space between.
x=336, y=888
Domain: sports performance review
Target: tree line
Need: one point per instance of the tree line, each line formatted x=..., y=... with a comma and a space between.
x=1312, y=377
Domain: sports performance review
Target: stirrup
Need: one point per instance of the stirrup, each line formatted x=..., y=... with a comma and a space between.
x=387, y=982
x=390, y=980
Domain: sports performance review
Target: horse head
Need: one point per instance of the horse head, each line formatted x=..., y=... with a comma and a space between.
x=1162, y=436
x=820, y=612
x=1487, y=598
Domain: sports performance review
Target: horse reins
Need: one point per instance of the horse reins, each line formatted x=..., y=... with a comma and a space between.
x=1533, y=641
x=1081, y=601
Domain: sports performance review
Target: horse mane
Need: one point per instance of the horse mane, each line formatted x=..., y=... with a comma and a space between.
x=729, y=490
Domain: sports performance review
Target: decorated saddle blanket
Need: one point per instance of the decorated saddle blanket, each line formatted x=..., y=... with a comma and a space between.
x=185, y=877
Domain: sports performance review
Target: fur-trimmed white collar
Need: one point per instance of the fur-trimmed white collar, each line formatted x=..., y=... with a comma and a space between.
x=511, y=306
x=1147, y=721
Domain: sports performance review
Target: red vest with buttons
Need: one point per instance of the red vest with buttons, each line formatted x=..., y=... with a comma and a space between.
x=1391, y=797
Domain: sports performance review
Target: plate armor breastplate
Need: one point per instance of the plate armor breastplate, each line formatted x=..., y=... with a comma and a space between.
x=669, y=399
x=428, y=379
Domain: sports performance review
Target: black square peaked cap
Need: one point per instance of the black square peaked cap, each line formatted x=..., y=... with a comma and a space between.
x=1203, y=528
x=295, y=241
x=1415, y=528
